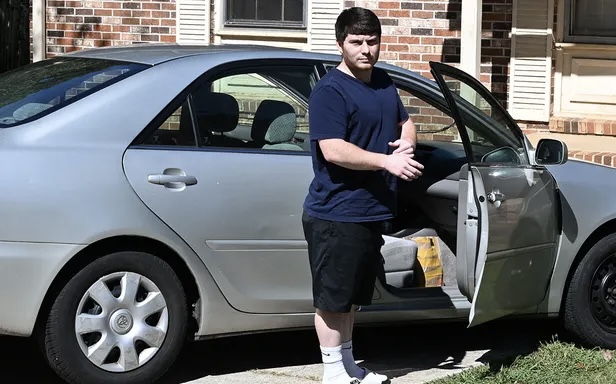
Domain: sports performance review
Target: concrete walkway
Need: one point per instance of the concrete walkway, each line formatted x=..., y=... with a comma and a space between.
x=408, y=355
x=311, y=374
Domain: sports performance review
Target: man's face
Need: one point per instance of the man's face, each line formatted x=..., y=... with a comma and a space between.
x=360, y=52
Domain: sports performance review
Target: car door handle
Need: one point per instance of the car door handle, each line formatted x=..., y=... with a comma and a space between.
x=166, y=179
x=496, y=198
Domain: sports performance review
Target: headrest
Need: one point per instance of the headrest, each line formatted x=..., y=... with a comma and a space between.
x=274, y=122
x=216, y=112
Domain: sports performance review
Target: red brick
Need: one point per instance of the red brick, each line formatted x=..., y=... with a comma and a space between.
x=399, y=13
x=409, y=39
x=398, y=47
x=446, y=32
x=161, y=14
x=432, y=40
x=389, y=4
x=389, y=39
x=167, y=39
x=141, y=13
x=150, y=6
x=423, y=15
x=103, y=12
x=122, y=12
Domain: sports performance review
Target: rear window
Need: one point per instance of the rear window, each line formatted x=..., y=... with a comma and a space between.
x=34, y=90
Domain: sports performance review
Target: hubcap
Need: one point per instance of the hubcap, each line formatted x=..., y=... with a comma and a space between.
x=603, y=294
x=121, y=321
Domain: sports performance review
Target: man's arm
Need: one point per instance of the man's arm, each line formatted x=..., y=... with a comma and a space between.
x=347, y=155
x=409, y=132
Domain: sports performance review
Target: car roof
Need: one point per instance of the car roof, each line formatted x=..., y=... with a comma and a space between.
x=157, y=53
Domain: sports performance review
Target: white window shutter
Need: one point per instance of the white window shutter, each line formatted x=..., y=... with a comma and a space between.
x=531, y=60
x=321, y=26
x=193, y=22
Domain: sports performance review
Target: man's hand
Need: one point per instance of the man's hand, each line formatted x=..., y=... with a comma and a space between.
x=403, y=146
x=403, y=166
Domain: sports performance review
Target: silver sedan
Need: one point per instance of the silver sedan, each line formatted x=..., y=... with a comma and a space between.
x=152, y=195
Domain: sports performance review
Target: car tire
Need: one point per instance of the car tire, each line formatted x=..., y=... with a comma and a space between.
x=590, y=304
x=155, y=339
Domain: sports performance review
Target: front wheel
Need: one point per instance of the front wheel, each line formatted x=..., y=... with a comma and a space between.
x=122, y=319
x=590, y=304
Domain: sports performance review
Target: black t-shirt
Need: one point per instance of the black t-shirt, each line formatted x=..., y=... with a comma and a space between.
x=367, y=115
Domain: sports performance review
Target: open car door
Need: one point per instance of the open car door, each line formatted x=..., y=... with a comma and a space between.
x=508, y=225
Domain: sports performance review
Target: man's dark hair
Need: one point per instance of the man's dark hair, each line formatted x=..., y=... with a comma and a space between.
x=357, y=21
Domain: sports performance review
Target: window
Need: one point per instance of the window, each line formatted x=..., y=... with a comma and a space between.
x=34, y=90
x=492, y=138
x=591, y=21
x=176, y=130
x=257, y=109
x=431, y=123
x=264, y=13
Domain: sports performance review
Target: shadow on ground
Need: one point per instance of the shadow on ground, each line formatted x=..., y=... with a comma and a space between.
x=397, y=349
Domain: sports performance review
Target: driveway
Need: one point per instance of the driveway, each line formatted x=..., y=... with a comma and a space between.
x=408, y=354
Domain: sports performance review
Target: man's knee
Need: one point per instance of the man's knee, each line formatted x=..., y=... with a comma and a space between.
x=332, y=316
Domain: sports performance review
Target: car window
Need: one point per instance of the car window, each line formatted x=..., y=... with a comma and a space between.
x=264, y=108
x=431, y=123
x=176, y=130
x=492, y=139
x=34, y=90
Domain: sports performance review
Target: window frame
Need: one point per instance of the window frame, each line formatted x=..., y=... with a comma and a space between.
x=569, y=37
x=436, y=99
x=227, y=22
x=208, y=76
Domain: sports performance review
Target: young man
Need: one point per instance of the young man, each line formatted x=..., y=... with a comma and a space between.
x=362, y=141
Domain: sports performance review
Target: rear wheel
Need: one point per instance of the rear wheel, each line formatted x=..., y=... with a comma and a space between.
x=590, y=306
x=121, y=319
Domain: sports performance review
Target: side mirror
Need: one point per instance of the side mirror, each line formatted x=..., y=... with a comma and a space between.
x=551, y=152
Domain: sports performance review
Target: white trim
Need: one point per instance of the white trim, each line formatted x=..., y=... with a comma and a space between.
x=470, y=48
x=39, y=30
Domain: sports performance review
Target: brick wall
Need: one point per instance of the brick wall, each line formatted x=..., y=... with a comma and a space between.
x=418, y=31
x=77, y=24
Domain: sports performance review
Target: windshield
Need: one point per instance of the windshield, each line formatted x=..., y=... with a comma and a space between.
x=34, y=90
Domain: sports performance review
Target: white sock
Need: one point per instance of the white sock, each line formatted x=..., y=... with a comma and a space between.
x=349, y=361
x=333, y=367
x=363, y=374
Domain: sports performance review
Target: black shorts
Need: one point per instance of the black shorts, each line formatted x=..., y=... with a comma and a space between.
x=345, y=260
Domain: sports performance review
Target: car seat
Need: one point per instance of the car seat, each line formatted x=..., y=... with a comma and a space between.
x=274, y=126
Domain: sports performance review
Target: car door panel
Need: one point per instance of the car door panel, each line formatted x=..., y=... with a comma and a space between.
x=520, y=249
x=242, y=217
x=508, y=228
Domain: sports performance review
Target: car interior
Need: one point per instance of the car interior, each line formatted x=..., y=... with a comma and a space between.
x=428, y=206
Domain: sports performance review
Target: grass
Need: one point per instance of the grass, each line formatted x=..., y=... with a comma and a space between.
x=553, y=363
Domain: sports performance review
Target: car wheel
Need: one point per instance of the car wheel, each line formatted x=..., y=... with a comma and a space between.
x=590, y=305
x=122, y=319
